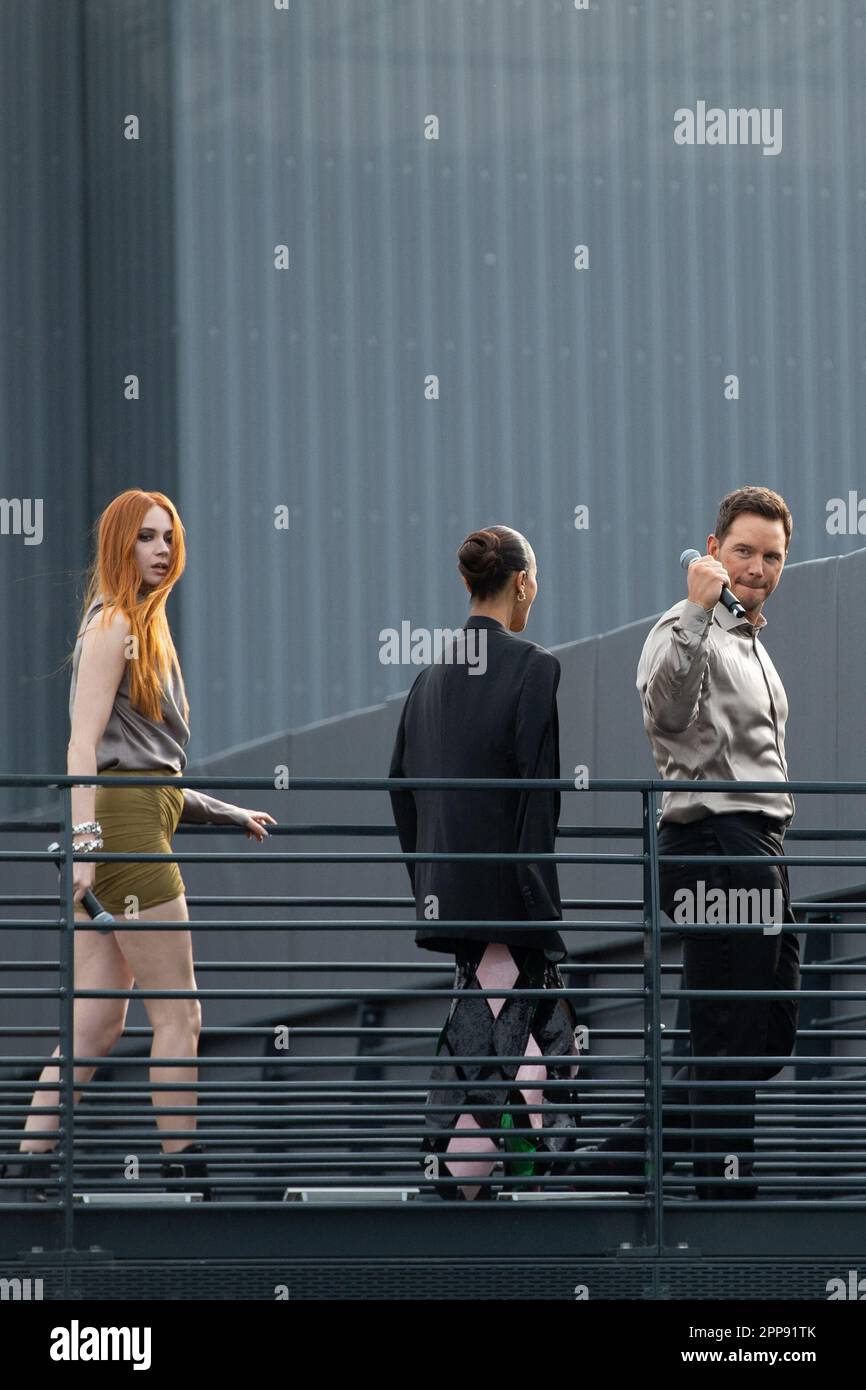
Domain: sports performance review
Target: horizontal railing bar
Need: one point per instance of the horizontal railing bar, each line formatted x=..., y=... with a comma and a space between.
x=342, y=1145
x=215, y=1139
x=369, y=1059
x=787, y=1118
x=385, y=830
x=29, y=856
x=605, y=1204
x=365, y=924
x=669, y=1203
x=367, y=1165
x=572, y=992
x=420, y=1034
x=212, y=1136
x=345, y=900
x=266, y=1030
x=428, y=968
x=277, y=900
x=372, y=1086
x=766, y=1128
x=769, y=1124
x=774, y=1114
x=554, y=1183
x=773, y=1111
x=841, y=1018
x=361, y=924
x=288, y=1088
x=347, y=993
x=606, y=784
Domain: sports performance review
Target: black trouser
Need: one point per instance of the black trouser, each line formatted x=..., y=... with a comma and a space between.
x=719, y=959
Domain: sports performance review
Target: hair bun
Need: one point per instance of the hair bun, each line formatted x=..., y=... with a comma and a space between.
x=480, y=555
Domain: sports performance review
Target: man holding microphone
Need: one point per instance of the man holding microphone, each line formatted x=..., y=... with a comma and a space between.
x=715, y=709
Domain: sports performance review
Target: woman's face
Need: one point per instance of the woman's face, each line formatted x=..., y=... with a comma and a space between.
x=525, y=583
x=153, y=546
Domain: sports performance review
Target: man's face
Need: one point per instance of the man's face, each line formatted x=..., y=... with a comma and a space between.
x=753, y=553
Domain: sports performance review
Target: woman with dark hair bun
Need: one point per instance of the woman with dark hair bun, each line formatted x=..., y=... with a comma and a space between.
x=487, y=708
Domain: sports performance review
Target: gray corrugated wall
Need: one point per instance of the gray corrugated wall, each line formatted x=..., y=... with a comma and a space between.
x=558, y=387
x=86, y=298
x=43, y=406
x=410, y=256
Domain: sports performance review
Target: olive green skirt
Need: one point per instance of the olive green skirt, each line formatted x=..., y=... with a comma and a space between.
x=137, y=818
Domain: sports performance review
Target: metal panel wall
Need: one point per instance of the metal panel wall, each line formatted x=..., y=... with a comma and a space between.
x=86, y=299
x=305, y=126
x=42, y=392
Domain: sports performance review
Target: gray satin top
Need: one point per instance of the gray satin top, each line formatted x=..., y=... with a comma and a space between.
x=131, y=740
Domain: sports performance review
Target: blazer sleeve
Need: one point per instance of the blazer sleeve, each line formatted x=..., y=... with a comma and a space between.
x=403, y=803
x=537, y=755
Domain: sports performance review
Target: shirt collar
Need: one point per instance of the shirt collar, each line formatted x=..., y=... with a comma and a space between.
x=481, y=620
x=728, y=620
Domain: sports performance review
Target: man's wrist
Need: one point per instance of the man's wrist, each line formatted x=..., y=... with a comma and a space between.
x=695, y=614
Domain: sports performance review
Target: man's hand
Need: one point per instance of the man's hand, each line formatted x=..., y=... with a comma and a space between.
x=706, y=579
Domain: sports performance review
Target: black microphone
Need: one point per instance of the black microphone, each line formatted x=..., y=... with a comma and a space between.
x=89, y=902
x=732, y=604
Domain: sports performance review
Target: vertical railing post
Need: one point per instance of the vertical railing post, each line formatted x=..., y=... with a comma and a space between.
x=66, y=1087
x=653, y=1013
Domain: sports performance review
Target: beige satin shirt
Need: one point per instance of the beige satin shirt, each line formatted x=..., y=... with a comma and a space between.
x=715, y=709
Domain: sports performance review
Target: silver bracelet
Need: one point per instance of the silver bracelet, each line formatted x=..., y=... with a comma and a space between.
x=87, y=827
x=88, y=846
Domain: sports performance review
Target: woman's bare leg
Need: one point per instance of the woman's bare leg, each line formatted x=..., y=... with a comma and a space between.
x=163, y=960
x=98, y=1023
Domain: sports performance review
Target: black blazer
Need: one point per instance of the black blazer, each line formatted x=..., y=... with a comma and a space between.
x=502, y=723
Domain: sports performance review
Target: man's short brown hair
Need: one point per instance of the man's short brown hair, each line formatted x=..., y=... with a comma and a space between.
x=753, y=499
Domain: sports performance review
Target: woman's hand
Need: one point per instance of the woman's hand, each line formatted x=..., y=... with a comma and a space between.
x=255, y=822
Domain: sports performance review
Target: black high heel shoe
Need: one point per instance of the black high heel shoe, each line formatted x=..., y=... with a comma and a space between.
x=37, y=1177
x=187, y=1164
x=625, y=1173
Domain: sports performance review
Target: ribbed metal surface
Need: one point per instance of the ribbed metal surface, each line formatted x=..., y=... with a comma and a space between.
x=304, y=127
x=638, y=1278
x=411, y=256
x=42, y=372
x=86, y=299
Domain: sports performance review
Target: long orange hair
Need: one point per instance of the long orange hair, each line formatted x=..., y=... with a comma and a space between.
x=114, y=574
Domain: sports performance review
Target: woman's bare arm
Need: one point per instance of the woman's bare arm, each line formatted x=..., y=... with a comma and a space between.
x=100, y=670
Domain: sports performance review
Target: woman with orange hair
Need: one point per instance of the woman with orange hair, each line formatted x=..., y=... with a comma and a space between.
x=129, y=713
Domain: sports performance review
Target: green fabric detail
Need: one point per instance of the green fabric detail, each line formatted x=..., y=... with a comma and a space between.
x=515, y=1143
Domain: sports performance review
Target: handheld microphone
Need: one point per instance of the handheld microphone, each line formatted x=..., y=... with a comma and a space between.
x=732, y=604
x=89, y=902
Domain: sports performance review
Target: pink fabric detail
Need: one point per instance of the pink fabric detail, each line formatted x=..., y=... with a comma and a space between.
x=497, y=970
x=532, y=1073
x=474, y=1168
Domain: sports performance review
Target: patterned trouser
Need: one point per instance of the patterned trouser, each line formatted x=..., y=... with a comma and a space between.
x=493, y=1027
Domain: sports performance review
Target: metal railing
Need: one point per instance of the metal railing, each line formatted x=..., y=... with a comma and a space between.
x=340, y=1124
